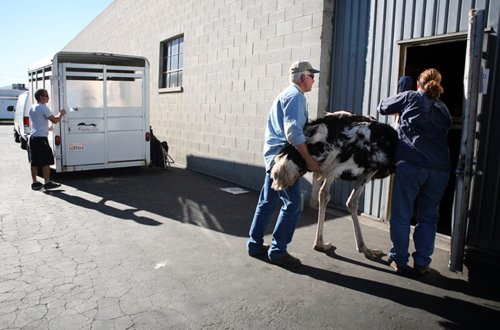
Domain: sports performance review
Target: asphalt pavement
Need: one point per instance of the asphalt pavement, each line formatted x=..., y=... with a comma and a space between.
x=146, y=248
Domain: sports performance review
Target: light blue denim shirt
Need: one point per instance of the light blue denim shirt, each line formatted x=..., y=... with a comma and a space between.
x=285, y=123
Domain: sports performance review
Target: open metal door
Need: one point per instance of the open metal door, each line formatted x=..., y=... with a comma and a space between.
x=466, y=161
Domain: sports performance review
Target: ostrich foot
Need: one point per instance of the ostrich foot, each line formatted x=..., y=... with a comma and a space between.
x=322, y=247
x=373, y=254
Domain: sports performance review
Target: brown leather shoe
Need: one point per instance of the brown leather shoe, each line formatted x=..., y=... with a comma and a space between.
x=400, y=269
x=287, y=261
x=421, y=270
x=263, y=251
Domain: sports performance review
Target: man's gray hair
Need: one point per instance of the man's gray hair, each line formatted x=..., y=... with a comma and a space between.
x=295, y=77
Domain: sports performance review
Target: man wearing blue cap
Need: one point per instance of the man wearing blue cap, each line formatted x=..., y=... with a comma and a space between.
x=285, y=124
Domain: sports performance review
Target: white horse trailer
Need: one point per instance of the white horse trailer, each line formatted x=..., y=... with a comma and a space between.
x=106, y=97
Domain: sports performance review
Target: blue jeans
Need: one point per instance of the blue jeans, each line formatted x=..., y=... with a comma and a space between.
x=423, y=189
x=287, y=219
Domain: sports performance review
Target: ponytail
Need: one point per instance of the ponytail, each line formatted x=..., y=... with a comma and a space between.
x=430, y=82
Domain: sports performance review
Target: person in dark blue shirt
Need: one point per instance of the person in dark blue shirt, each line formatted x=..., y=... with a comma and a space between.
x=422, y=169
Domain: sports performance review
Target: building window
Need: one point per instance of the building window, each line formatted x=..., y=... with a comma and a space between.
x=171, y=62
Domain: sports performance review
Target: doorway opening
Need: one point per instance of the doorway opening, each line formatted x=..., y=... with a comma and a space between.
x=448, y=57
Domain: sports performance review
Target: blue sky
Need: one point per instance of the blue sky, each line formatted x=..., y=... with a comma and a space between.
x=33, y=30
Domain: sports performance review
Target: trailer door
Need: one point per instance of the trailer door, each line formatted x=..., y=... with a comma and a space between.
x=105, y=122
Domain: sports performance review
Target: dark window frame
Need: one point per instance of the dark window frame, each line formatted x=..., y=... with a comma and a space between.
x=171, y=63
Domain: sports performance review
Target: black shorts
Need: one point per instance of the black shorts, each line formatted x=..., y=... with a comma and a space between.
x=40, y=152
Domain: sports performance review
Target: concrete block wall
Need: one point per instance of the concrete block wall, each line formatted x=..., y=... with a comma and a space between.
x=236, y=59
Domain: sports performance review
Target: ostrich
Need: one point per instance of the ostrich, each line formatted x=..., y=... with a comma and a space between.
x=346, y=146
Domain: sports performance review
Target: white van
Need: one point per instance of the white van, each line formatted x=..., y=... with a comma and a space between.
x=8, y=99
x=106, y=97
x=22, y=119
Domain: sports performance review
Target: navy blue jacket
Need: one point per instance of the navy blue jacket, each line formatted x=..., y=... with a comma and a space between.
x=423, y=125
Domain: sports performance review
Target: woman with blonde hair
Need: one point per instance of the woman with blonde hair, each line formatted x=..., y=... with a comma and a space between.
x=422, y=169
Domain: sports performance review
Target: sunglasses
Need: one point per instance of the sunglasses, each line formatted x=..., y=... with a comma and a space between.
x=45, y=95
x=311, y=76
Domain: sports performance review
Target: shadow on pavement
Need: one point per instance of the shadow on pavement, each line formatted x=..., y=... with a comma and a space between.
x=100, y=206
x=459, y=313
x=178, y=194
x=196, y=199
x=434, y=278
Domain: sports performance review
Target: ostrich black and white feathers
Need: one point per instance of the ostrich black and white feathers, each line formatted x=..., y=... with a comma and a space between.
x=345, y=145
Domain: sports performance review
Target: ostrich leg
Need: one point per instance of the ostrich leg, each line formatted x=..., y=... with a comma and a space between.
x=324, y=197
x=352, y=206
